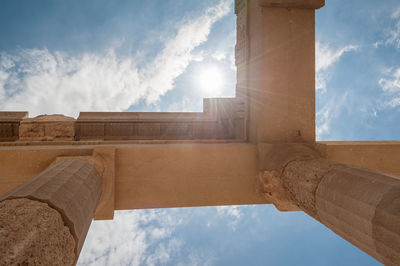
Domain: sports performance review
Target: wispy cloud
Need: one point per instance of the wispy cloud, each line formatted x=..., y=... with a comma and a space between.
x=328, y=113
x=394, y=35
x=390, y=85
x=132, y=238
x=391, y=34
x=154, y=237
x=43, y=81
x=326, y=56
x=231, y=212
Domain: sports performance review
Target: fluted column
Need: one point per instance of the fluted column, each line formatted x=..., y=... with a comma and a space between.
x=46, y=219
x=360, y=205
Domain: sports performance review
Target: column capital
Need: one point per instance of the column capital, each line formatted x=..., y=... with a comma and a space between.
x=310, y=4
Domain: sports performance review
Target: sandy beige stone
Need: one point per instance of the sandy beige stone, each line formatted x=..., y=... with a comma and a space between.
x=9, y=125
x=311, y=4
x=72, y=187
x=47, y=127
x=32, y=233
x=279, y=72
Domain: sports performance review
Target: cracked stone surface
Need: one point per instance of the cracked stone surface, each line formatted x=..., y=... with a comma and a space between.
x=32, y=233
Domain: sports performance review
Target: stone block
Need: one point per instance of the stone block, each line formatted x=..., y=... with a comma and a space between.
x=311, y=4
x=9, y=125
x=47, y=127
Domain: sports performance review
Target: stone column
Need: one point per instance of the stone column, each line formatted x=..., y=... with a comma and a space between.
x=360, y=205
x=46, y=219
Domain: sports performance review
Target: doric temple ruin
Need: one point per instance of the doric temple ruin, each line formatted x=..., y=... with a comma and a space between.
x=58, y=173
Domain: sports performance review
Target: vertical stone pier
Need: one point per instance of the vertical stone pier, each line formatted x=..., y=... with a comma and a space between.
x=275, y=58
x=45, y=220
x=360, y=205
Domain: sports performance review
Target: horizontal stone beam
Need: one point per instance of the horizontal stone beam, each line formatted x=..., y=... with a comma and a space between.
x=154, y=175
x=311, y=4
x=377, y=155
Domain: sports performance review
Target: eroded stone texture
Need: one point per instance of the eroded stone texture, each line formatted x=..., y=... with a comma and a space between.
x=301, y=179
x=32, y=233
x=72, y=187
x=275, y=192
x=47, y=127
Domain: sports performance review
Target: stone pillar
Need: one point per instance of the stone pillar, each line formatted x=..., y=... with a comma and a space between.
x=46, y=219
x=275, y=58
x=360, y=205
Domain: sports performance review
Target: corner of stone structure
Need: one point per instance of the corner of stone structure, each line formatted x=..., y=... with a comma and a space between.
x=273, y=156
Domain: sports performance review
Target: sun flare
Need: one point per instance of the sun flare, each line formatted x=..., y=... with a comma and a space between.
x=210, y=80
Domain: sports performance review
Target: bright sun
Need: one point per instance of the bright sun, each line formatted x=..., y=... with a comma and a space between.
x=210, y=80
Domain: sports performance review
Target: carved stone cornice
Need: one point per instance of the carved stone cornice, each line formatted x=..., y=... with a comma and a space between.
x=223, y=118
x=310, y=4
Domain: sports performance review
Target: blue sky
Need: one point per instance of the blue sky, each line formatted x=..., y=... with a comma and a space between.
x=71, y=56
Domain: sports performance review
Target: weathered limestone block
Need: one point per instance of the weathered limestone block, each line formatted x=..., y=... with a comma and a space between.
x=9, y=125
x=72, y=187
x=32, y=233
x=47, y=127
x=360, y=205
x=312, y=4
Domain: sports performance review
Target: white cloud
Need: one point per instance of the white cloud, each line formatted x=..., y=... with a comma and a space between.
x=325, y=58
x=392, y=34
x=219, y=55
x=328, y=113
x=154, y=237
x=132, y=238
x=390, y=85
x=232, y=212
x=396, y=13
x=393, y=37
x=43, y=81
